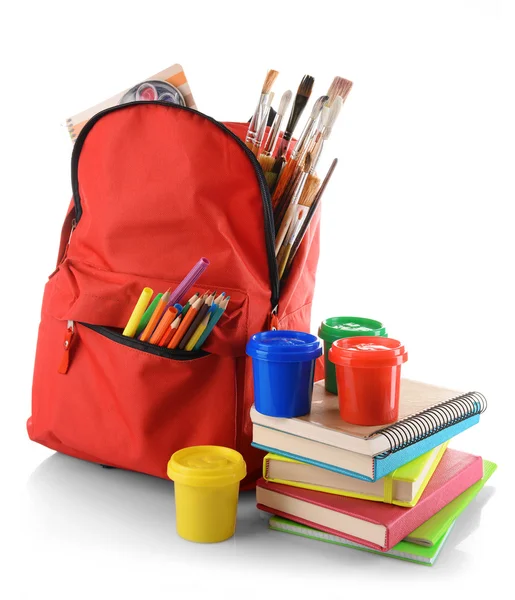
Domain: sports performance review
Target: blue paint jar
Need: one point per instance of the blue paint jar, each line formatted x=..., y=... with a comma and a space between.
x=283, y=365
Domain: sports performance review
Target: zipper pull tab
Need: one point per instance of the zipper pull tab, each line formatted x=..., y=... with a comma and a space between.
x=273, y=324
x=65, y=361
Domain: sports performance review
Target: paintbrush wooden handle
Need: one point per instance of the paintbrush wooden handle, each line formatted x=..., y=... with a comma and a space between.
x=288, y=197
x=283, y=229
x=309, y=217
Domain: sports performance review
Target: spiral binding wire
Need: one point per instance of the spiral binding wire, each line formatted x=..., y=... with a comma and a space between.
x=426, y=423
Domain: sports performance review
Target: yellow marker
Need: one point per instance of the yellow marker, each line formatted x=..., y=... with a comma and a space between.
x=200, y=330
x=137, y=313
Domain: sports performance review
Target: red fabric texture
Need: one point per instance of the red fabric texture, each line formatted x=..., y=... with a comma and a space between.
x=160, y=187
x=455, y=473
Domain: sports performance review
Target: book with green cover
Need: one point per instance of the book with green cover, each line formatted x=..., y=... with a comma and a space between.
x=422, y=546
x=403, y=550
x=432, y=530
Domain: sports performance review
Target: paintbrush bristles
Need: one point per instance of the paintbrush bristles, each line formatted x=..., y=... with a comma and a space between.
x=271, y=76
x=317, y=107
x=339, y=87
x=266, y=162
x=285, y=102
x=306, y=86
x=334, y=112
x=273, y=134
x=307, y=163
x=310, y=190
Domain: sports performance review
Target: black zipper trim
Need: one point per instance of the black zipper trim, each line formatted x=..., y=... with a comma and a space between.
x=114, y=336
x=263, y=185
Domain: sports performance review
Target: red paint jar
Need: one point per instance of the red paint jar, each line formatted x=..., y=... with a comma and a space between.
x=368, y=373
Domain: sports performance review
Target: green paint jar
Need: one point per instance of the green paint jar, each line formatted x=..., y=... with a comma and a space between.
x=336, y=328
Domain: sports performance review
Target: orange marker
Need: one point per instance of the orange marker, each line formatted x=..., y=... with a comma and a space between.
x=164, y=324
x=156, y=315
x=186, y=322
x=170, y=332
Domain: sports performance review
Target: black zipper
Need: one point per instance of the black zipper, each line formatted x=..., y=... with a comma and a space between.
x=175, y=354
x=265, y=192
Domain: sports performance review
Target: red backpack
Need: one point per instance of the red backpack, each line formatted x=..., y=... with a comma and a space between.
x=155, y=187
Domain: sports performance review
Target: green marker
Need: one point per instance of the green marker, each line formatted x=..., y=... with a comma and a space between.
x=147, y=314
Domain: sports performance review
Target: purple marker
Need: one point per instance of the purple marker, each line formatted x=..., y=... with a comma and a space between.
x=178, y=294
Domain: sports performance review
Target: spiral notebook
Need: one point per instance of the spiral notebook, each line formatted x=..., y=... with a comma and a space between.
x=173, y=81
x=428, y=416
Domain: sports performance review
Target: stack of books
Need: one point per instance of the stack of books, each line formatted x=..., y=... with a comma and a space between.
x=395, y=490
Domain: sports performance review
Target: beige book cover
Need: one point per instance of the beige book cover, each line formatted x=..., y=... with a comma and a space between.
x=174, y=76
x=324, y=424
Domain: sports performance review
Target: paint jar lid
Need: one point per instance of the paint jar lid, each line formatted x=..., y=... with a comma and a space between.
x=284, y=346
x=367, y=351
x=206, y=466
x=334, y=328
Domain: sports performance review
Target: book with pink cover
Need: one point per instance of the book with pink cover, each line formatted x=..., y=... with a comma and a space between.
x=378, y=526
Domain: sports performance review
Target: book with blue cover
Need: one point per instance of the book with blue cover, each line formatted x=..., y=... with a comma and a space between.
x=428, y=416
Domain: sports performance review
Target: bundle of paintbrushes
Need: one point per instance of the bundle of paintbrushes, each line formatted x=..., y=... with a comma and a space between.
x=290, y=167
x=165, y=323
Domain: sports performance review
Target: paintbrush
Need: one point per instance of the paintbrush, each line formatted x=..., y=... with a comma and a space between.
x=259, y=114
x=290, y=211
x=304, y=227
x=266, y=159
x=309, y=190
x=284, y=253
x=299, y=104
x=262, y=126
x=314, y=132
x=325, y=128
x=339, y=87
x=290, y=170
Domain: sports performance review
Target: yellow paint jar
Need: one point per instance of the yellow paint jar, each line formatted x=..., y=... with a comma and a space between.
x=207, y=482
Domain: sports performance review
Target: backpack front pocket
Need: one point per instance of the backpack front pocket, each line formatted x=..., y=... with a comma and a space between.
x=128, y=406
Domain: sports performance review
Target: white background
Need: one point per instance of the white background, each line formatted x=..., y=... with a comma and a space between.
x=417, y=232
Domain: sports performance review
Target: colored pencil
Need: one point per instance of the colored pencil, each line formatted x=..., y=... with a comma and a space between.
x=170, y=332
x=138, y=312
x=215, y=317
x=186, y=322
x=196, y=321
x=156, y=316
x=196, y=336
x=188, y=304
x=165, y=322
x=219, y=298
